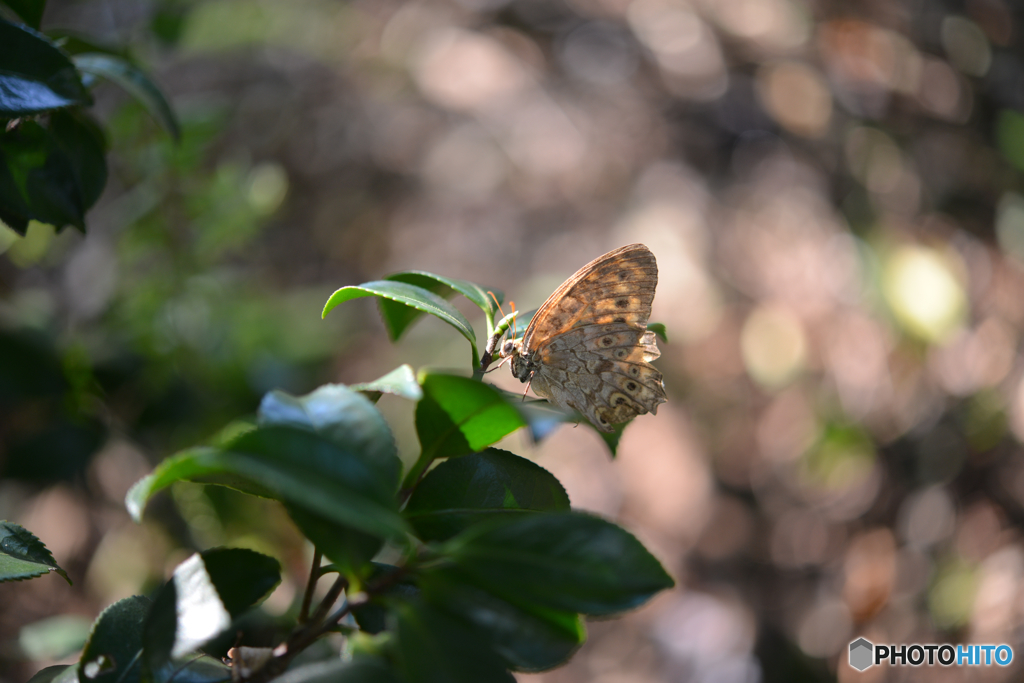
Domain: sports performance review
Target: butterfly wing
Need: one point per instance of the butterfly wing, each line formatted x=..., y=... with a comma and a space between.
x=616, y=287
x=589, y=341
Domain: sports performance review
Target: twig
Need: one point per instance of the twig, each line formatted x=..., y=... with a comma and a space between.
x=314, y=576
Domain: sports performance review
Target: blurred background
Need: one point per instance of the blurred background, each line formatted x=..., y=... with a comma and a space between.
x=834, y=195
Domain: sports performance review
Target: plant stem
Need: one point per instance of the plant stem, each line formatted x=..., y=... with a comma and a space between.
x=314, y=576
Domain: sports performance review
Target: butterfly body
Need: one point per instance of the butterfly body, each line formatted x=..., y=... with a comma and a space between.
x=588, y=348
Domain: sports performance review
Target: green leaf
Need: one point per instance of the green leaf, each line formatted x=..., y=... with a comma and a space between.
x=135, y=82
x=35, y=75
x=527, y=638
x=358, y=670
x=345, y=417
x=372, y=615
x=406, y=295
x=30, y=11
x=566, y=561
x=52, y=174
x=23, y=556
x=206, y=592
x=113, y=653
x=446, y=287
x=459, y=415
x=659, y=330
x=401, y=382
x=350, y=550
x=292, y=465
x=432, y=646
x=463, y=491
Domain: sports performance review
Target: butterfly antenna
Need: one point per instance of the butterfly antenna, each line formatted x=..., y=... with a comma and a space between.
x=496, y=303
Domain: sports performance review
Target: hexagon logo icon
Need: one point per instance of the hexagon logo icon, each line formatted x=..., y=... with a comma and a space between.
x=860, y=654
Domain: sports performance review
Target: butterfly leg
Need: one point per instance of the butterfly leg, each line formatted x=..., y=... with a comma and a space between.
x=505, y=360
x=528, y=384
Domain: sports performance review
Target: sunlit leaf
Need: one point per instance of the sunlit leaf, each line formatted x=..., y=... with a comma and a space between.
x=206, y=592
x=407, y=295
x=459, y=415
x=401, y=382
x=23, y=556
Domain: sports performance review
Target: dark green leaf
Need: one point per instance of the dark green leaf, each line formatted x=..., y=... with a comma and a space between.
x=408, y=296
x=349, y=550
x=659, y=329
x=567, y=561
x=61, y=673
x=527, y=638
x=113, y=653
x=135, y=82
x=291, y=465
x=401, y=382
x=435, y=647
x=35, y=75
x=206, y=593
x=612, y=438
x=23, y=556
x=372, y=616
x=30, y=11
x=459, y=415
x=359, y=670
x=467, y=490
x=345, y=417
x=52, y=174
x=192, y=669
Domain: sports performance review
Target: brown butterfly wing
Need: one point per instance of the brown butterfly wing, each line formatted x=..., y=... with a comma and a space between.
x=590, y=344
x=616, y=287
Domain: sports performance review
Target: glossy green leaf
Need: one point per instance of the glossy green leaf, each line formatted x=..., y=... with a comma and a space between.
x=446, y=287
x=35, y=75
x=401, y=382
x=464, y=491
x=52, y=174
x=113, y=653
x=358, y=670
x=344, y=416
x=660, y=330
x=135, y=82
x=406, y=295
x=459, y=415
x=432, y=646
x=292, y=465
x=23, y=556
x=528, y=638
x=206, y=592
x=566, y=561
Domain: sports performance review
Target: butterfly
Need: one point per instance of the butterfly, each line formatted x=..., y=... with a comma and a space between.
x=588, y=348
